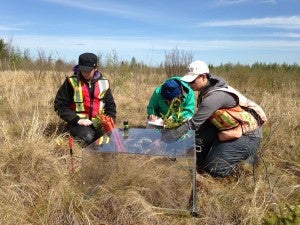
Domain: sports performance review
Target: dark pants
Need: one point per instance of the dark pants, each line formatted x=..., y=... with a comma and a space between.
x=86, y=133
x=218, y=158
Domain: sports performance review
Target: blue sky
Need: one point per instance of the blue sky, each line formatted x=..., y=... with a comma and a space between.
x=215, y=31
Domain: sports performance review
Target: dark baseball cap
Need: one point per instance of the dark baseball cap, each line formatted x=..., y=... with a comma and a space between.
x=170, y=90
x=87, y=61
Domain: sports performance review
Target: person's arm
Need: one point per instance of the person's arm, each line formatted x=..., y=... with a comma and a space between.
x=188, y=106
x=153, y=107
x=63, y=99
x=110, y=105
x=216, y=100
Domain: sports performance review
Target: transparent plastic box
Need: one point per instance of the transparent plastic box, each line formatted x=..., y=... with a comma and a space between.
x=162, y=173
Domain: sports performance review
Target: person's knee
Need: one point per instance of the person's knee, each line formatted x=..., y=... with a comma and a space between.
x=86, y=134
x=88, y=137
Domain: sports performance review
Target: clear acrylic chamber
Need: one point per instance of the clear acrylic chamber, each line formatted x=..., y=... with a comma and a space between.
x=162, y=173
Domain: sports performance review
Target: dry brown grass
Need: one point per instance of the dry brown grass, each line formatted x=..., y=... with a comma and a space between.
x=37, y=186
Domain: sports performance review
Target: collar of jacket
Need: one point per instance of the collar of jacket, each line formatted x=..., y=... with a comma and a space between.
x=214, y=82
x=96, y=77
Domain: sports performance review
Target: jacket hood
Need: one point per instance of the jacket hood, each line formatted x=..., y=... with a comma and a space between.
x=214, y=82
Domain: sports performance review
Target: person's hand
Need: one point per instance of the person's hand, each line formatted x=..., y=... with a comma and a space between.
x=170, y=118
x=85, y=122
x=152, y=117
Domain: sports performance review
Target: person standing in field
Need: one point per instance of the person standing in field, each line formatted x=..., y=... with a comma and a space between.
x=173, y=100
x=82, y=97
x=227, y=124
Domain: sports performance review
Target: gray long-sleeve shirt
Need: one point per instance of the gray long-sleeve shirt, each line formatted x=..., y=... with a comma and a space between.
x=208, y=104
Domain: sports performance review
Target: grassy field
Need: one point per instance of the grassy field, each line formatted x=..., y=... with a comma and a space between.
x=38, y=187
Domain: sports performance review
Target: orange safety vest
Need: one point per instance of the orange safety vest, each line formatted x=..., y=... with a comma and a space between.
x=238, y=120
x=84, y=105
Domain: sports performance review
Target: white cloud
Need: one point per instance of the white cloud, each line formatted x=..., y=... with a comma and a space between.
x=8, y=28
x=280, y=35
x=273, y=2
x=292, y=22
x=108, y=7
x=235, y=2
x=231, y=2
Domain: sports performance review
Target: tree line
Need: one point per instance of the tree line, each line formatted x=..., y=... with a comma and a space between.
x=12, y=58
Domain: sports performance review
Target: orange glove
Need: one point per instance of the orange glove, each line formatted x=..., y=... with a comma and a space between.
x=107, y=123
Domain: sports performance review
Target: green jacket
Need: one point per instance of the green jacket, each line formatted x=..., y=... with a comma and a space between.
x=157, y=105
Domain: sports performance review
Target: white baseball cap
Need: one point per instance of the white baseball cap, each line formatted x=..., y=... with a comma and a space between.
x=195, y=69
